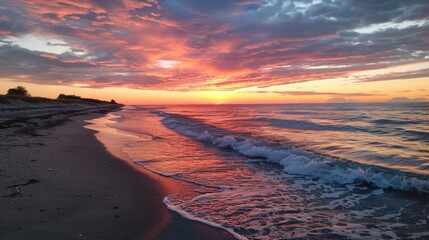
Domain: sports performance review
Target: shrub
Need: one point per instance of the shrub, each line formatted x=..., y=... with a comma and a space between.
x=63, y=96
x=18, y=91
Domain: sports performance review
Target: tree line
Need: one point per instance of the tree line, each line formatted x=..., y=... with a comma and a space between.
x=23, y=92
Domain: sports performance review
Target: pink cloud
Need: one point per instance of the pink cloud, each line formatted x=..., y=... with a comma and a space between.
x=243, y=43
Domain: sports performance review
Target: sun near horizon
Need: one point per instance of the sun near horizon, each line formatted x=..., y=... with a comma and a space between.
x=223, y=52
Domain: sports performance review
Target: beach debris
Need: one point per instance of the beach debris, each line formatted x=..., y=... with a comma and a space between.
x=15, y=194
x=17, y=187
x=29, y=181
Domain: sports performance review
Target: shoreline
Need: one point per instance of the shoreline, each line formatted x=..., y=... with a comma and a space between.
x=81, y=191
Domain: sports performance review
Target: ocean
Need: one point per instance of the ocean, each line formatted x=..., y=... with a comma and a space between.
x=291, y=171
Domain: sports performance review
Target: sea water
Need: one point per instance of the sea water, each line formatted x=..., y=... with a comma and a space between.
x=292, y=171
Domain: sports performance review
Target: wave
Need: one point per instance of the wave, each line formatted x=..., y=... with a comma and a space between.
x=298, y=113
x=417, y=135
x=394, y=122
x=298, y=161
x=305, y=125
x=308, y=125
x=187, y=215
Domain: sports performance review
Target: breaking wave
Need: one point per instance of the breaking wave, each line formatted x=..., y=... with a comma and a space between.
x=298, y=161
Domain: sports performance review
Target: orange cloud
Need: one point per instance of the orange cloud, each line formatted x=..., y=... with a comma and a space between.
x=213, y=44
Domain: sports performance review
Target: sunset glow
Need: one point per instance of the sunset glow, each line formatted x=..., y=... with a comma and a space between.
x=214, y=119
x=216, y=52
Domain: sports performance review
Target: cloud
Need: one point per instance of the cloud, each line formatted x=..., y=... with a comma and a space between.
x=421, y=73
x=15, y=61
x=313, y=93
x=241, y=43
x=209, y=7
x=30, y=66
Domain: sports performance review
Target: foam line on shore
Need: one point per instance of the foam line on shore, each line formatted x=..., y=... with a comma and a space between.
x=178, y=210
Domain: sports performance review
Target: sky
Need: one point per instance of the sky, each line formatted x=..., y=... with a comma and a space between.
x=223, y=51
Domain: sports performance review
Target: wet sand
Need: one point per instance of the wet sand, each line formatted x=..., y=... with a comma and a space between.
x=61, y=183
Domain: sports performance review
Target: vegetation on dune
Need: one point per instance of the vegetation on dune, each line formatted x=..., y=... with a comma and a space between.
x=74, y=97
x=18, y=91
x=22, y=94
x=64, y=96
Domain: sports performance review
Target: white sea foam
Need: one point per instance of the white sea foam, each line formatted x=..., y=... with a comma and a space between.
x=181, y=212
x=298, y=161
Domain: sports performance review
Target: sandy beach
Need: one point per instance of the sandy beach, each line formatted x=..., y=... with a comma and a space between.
x=61, y=183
